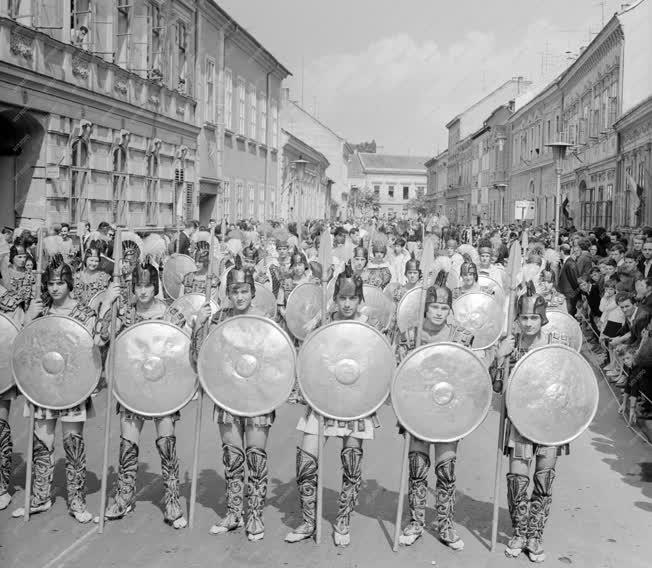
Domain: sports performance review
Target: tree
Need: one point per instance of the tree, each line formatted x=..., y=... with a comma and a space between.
x=424, y=205
x=369, y=147
x=365, y=199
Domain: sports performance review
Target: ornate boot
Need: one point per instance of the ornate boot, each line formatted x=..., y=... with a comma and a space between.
x=417, y=490
x=307, y=483
x=6, y=455
x=125, y=493
x=539, y=512
x=234, y=471
x=43, y=472
x=75, y=449
x=445, y=472
x=167, y=449
x=351, y=481
x=256, y=492
x=518, y=504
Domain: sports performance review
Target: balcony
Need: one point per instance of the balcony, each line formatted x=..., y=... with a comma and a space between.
x=32, y=50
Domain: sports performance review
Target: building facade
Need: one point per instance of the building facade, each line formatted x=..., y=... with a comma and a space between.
x=98, y=112
x=437, y=182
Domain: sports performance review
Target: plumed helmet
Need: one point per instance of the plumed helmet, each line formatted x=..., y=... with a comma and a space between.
x=412, y=264
x=202, y=246
x=469, y=267
x=57, y=269
x=132, y=246
x=485, y=247
x=250, y=252
x=439, y=293
x=348, y=284
x=298, y=258
x=360, y=252
x=532, y=303
x=145, y=274
x=238, y=275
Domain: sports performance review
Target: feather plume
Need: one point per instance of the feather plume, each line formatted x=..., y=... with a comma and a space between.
x=442, y=262
x=52, y=245
x=202, y=236
x=551, y=256
x=97, y=236
x=154, y=247
x=234, y=245
x=281, y=234
x=130, y=240
x=470, y=251
x=530, y=272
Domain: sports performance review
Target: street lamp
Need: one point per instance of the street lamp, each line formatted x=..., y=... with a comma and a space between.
x=501, y=187
x=558, y=152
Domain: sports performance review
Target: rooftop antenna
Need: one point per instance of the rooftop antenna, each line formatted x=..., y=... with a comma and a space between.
x=602, y=5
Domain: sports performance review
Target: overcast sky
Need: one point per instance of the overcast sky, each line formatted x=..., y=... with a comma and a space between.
x=397, y=72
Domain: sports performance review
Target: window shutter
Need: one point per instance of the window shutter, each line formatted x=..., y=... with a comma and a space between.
x=103, y=32
x=48, y=17
x=139, y=29
x=189, y=202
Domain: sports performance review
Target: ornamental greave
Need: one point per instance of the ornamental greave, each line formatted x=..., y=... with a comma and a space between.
x=307, y=484
x=6, y=456
x=75, y=450
x=256, y=489
x=234, y=472
x=518, y=503
x=167, y=450
x=540, y=503
x=351, y=481
x=43, y=472
x=445, y=472
x=419, y=465
x=127, y=470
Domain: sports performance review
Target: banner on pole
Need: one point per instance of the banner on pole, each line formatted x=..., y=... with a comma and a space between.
x=523, y=210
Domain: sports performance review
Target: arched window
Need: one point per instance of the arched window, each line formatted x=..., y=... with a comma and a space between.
x=79, y=172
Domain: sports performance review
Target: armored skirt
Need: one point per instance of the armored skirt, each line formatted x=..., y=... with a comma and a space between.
x=79, y=413
x=519, y=447
x=221, y=416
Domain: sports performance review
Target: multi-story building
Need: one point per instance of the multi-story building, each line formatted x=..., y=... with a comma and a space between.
x=395, y=180
x=239, y=113
x=97, y=112
x=437, y=172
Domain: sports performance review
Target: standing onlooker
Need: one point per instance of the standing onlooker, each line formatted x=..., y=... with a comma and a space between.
x=185, y=236
x=645, y=263
x=617, y=252
x=583, y=259
x=568, y=283
x=628, y=272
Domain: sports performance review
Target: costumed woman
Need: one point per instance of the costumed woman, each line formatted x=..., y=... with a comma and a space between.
x=90, y=280
x=195, y=282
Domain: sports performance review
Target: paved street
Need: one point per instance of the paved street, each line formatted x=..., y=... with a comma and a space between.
x=601, y=513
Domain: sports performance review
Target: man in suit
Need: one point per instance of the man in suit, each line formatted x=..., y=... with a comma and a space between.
x=568, y=283
x=185, y=235
x=645, y=263
x=584, y=261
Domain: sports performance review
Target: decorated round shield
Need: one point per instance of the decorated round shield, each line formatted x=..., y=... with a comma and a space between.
x=407, y=313
x=264, y=301
x=97, y=300
x=482, y=315
x=302, y=307
x=176, y=267
x=493, y=287
x=188, y=305
x=247, y=365
x=565, y=325
x=441, y=392
x=377, y=306
x=345, y=370
x=552, y=395
x=55, y=362
x=153, y=375
x=8, y=332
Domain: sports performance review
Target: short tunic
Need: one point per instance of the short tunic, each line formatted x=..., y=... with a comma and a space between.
x=196, y=283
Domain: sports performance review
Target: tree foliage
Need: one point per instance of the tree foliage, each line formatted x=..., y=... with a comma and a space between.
x=369, y=147
x=424, y=205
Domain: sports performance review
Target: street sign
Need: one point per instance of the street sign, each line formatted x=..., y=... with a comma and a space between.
x=523, y=210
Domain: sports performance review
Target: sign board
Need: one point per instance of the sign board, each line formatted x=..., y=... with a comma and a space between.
x=523, y=210
x=52, y=171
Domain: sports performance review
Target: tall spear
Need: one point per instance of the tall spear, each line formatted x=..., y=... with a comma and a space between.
x=117, y=261
x=513, y=268
x=36, y=293
x=427, y=263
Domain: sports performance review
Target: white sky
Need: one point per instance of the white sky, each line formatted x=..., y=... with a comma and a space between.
x=399, y=71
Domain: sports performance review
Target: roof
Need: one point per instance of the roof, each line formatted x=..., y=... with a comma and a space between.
x=315, y=119
x=306, y=148
x=389, y=162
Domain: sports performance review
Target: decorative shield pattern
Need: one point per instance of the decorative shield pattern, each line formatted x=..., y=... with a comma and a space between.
x=8, y=332
x=482, y=315
x=489, y=284
x=97, y=300
x=247, y=365
x=562, y=323
x=55, y=362
x=345, y=370
x=377, y=306
x=552, y=395
x=441, y=392
x=407, y=313
x=188, y=305
x=176, y=267
x=153, y=375
x=302, y=306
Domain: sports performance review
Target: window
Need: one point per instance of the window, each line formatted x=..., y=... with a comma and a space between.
x=263, y=120
x=260, y=214
x=81, y=22
x=120, y=178
x=253, y=116
x=406, y=192
x=123, y=35
x=156, y=44
x=190, y=203
x=152, y=183
x=390, y=191
x=242, y=103
x=179, y=190
x=239, y=197
x=228, y=99
x=251, y=190
x=181, y=45
x=20, y=11
x=420, y=190
x=227, y=198
x=77, y=205
x=210, y=91
x=377, y=190
x=274, y=141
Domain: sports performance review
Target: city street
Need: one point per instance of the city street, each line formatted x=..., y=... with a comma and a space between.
x=600, y=513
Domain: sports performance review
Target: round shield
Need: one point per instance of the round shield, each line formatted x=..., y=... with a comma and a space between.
x=441, y=392
x=482, y=315
x=302, y=307
x=552, y=395
x=264, y=301
x=492, y=286
x=247, y=365
x=377, y=306
x=188, y=305
x=407, y=313
x=562, y=323
x=176, y=267
x=55, y=362
x=345, y=370
x=8, y=332
x=221, y=289
x=97, y=300
x=153, y=375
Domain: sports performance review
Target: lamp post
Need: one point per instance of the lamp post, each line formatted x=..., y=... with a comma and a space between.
x=501, y=187
x=558, y=152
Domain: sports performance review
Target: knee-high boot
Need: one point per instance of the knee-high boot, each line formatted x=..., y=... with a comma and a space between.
x=234, y=471
x=445, y=472
x=419, y=464
x=125, y=493
x=42, y=474
x=351, y=481
x=539, y=511
x=167, y=450
x=519, y=505
x=6, y=457
x=75, y=449
x=256, y=492
x=307, y=484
